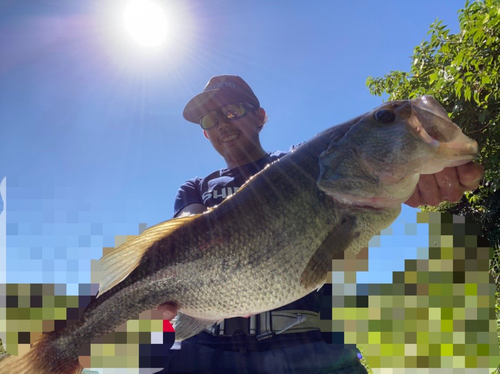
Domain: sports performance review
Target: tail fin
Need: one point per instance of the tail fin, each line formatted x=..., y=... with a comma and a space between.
x=46, y=356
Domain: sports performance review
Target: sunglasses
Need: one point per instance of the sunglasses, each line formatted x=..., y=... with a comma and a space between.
x=229, y=112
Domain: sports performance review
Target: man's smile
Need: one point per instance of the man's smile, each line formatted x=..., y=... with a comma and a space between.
x=229, y=137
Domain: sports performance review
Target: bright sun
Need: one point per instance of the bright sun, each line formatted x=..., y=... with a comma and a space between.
x=146, y=22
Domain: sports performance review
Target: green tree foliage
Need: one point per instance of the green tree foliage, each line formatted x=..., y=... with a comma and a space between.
x=462, y=71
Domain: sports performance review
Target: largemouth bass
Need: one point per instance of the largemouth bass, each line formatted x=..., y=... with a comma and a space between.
x=274, y=240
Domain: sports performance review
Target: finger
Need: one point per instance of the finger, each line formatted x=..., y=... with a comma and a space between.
x=428, y=190
x=169, y=310
x=415, y=200
x=449, y=185
x=470, y=174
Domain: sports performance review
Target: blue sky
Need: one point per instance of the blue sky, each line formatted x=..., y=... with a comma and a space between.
x=92, y=138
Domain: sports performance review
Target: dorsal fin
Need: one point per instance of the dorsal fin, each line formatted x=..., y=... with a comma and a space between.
x=119, y=263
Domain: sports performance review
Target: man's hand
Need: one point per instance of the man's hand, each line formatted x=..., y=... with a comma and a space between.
x=169, y=310
x=447, y=185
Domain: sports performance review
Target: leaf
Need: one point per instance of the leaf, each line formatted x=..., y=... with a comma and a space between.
x=476, y=97
x=485, y=79
x=467, y=93
x=458, y=87
x=459, y=58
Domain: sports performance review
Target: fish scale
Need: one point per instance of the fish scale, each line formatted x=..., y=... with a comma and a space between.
x=274, y=240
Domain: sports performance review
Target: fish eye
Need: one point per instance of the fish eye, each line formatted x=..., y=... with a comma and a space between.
x=385, y=116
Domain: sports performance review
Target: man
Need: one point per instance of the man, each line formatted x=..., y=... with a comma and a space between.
x=280, y=341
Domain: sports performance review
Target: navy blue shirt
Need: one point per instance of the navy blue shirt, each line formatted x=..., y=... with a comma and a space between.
x=215, y=187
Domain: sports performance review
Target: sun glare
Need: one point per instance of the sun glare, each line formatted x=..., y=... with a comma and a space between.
x=146, y=22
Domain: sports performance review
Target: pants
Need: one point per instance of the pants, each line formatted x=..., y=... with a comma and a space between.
x=288, y=353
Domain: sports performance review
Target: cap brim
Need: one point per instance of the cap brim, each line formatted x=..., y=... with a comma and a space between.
x=205, y=102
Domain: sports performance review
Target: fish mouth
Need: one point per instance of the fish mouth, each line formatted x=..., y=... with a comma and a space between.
x=434, y=119
x=432, y=124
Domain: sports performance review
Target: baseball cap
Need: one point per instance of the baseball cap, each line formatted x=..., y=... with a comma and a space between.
x=219, y=91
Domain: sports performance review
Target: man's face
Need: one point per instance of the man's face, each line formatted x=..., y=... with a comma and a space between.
x=238, y=139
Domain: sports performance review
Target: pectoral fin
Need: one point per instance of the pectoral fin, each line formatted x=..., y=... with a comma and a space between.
x=314, y=274
x=186, y=326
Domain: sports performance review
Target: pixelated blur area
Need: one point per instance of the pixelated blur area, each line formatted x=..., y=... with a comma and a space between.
x=33, y=309
x=437, y=313
x=51, y=275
